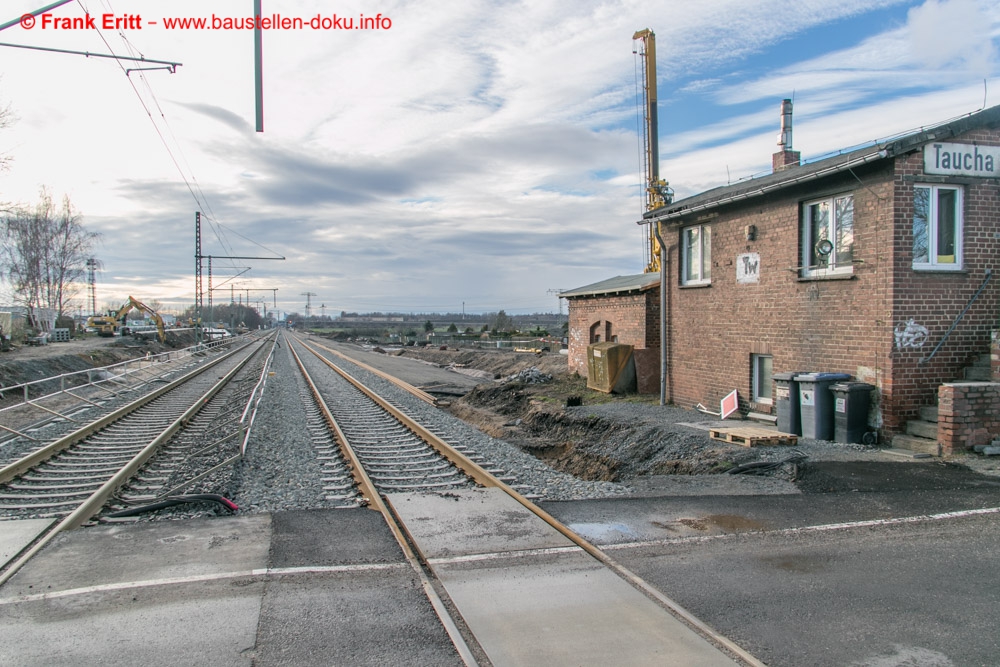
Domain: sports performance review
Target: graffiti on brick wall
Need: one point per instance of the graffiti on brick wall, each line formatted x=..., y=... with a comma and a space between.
x=910, y=334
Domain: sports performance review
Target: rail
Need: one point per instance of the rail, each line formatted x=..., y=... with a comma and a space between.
x=245, y=425
x=110, y=374
x=93, y=503
x=486, y=478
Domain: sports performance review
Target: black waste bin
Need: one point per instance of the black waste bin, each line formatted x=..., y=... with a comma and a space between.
x=786, y=402
x=816, y=403
x=851, y=401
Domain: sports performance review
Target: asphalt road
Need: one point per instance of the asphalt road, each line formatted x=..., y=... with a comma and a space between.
x=833, y=579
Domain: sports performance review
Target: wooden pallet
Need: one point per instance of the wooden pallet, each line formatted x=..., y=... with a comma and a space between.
x=752, y=436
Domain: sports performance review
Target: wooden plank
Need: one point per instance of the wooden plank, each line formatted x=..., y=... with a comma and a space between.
x=750, y=436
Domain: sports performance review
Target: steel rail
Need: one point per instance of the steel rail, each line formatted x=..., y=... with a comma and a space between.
x=31, y=460
x=419, y=393
x=486, y=478
x=376, y=502
x=92, y=505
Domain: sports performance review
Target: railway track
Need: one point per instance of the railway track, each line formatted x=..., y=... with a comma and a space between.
x=151, y=443
x=391, y=456
x=424, y=483
x=35, y=413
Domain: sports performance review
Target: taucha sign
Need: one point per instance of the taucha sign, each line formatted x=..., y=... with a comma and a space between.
x=961, y=160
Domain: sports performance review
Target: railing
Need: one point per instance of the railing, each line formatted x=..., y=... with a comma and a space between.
x=986, y=280
x=114, y=373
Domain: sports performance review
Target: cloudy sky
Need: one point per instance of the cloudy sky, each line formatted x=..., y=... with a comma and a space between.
x=470, y=152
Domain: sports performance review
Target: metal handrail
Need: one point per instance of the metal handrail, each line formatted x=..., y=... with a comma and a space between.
x=989, y=275
x=110, y=369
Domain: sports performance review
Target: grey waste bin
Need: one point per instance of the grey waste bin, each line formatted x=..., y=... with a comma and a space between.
x=851, y=401
x=816, y=403
x=786, y=402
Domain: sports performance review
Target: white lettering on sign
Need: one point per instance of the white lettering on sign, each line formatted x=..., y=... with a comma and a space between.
x=748, y=268
x=961, y=159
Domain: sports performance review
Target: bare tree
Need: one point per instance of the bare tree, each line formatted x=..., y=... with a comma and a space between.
x=44, y=253
x=6, y=120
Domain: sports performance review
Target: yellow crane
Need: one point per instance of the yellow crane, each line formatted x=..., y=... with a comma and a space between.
x=658, y=192
x=134, y=303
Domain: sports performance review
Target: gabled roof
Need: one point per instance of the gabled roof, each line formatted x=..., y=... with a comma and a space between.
x=768, y=183
x=616, y=285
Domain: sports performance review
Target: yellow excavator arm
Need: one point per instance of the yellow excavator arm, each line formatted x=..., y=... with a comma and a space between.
x=153, y=315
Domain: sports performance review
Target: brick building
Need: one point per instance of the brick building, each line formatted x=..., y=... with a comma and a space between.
x=877, y=262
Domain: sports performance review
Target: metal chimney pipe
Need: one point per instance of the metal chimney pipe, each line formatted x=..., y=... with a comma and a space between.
x=785, y=138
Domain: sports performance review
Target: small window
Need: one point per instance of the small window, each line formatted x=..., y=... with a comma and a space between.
x=762, y=366
x=828, y=236
x=696, y=255
x=937, y=227
x=595, y=336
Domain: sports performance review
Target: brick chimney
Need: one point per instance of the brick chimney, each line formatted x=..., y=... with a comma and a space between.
x=786, y=157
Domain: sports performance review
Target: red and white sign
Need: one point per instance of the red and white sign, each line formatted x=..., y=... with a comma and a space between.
x=729, y=404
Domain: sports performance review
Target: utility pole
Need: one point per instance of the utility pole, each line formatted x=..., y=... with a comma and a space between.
x=199, y=295
x=557, y=292
x=258, y=67
x=92, y=266
x=308, y=296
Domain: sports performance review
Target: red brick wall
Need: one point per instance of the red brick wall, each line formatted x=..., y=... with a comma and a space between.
x=995, y=355
x=634, y=319
x=968, y=415
x=830, y=325
x=935, y=299
x=806, y=325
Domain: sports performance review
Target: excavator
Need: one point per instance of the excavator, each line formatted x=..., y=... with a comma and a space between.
x=104, y=325
x=134, y=303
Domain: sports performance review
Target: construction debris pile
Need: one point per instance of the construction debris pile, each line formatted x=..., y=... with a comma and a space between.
x=528, y=376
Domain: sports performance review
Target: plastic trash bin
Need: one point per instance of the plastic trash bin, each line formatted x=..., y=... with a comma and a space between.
x=851, y=401
x=816, y=403
x=786, y=402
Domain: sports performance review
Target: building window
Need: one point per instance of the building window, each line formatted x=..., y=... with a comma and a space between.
x=937, y=227
x=595, y=333
x=762, y=365
x=828, y=236
x=696, y=255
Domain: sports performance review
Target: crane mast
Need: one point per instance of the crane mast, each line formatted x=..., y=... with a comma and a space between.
x=658, y=192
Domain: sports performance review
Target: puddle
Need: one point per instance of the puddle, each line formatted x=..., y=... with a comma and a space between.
x=715, y=524
x=797, y=564
x=604, y=532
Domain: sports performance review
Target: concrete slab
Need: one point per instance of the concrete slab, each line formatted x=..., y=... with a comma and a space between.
x=473, y=521
x=207, y=623
x=567, y=609
x=530, y=607
x=145, y=552
x=16, y=535
x=362, y=617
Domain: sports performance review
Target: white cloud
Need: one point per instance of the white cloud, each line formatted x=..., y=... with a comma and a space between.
x=481, y=151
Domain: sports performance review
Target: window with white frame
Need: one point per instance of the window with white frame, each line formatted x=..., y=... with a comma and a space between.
x=696, y=255
x=937, y=227
x=828, y=236
x=762, y=367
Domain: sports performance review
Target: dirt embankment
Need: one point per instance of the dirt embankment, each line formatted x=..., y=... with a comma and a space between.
x=606, y=437
x=26, y=364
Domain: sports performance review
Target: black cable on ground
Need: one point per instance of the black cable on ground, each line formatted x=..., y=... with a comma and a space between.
x=170, y=501
x=759, y=467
